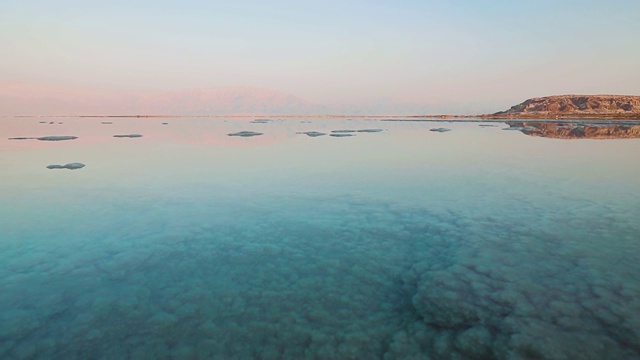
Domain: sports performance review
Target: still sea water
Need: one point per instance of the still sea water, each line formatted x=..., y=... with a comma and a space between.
x=187, y=243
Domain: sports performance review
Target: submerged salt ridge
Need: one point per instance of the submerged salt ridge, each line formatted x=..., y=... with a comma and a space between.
x=343, y=278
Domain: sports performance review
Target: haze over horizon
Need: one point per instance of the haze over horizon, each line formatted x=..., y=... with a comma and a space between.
x=405, y=57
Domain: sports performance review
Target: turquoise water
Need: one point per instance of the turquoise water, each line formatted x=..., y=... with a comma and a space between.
x=476, y=243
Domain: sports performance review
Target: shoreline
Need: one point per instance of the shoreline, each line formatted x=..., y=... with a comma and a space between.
x=586, y=118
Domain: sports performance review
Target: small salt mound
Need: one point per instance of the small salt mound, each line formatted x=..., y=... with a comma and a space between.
x=312, y=133
x=45, y=138
x=57, y=138
x=245, y=133
x=70, y=166
x=128, y=136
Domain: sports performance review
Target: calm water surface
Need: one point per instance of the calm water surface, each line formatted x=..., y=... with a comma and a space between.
x=186, y=243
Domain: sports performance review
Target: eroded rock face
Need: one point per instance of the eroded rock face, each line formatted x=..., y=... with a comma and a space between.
x=576, y=105
x=577, y=130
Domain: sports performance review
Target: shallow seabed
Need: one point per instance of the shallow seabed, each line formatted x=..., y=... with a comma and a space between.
x=186, y=243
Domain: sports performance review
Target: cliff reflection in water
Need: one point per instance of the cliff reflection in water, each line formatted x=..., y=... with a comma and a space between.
x=577, y=130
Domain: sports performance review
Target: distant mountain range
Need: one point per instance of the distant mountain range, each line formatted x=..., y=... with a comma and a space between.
x=24, y=99
x=27, y=99
x=30, y=99
x=227, y=100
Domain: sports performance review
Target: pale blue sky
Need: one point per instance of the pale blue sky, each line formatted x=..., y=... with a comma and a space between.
x=464, y=55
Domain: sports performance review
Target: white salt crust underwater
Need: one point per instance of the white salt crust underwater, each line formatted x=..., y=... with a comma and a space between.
x=449, y=263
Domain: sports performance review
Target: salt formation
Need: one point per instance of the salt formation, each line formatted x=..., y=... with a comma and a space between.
x=312, y=133
x=128, y=136
x=46, y=138
x=57, y=138
x=70, y=166
x=327, y=278
x=245, y=134
x=502, y=298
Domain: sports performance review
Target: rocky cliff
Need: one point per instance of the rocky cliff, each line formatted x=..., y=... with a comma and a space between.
x=575, y=106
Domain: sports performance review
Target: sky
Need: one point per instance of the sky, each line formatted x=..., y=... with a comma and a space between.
x=458, y=56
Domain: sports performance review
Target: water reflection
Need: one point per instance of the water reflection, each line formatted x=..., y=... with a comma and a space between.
x=578, y=130
x=188, y=243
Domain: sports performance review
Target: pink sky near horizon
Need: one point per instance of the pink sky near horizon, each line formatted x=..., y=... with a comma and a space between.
x=404, y=56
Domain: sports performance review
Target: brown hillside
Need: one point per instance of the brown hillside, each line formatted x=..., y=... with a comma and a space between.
x=581, y=106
